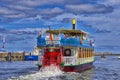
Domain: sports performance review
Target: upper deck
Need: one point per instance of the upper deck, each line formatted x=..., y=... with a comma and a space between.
x=63, y=37
x=63, y=42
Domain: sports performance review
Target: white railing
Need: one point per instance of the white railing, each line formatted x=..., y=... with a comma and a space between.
x=70, y=60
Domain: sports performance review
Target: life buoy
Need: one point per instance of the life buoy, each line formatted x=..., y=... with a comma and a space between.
x=67, y=52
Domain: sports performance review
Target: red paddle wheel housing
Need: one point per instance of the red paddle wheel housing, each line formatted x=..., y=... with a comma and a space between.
x=52, y=56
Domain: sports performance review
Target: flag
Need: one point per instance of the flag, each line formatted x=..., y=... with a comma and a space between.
x=51, y=38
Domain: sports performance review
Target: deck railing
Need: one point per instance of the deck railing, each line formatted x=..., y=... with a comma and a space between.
x=70, y=60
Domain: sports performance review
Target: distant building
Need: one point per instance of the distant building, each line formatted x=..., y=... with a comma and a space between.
x=17, y=56
x=3, y=56
x=8, y=56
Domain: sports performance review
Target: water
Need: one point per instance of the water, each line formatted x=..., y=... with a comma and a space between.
x=105, y=69
x=10, y=69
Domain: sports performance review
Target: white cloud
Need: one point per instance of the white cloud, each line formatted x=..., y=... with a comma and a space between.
x=53, y=11
x=33, y=3
x=65, y=15
x=88, y=8
x=112, y=2
x=20, y=7
x=4, y=10
x=30, y=29
x=16, y=16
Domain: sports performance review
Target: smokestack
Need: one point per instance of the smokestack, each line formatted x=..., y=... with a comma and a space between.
x=73, y=23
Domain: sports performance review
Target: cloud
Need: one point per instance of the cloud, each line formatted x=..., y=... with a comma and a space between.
x=89, y=8
x=20, y=7
x=34, y=3
x=102, y=31
x=15, y=16
x=31, y=8
x=5, y=11
x=114, y=3
x=49, y=13
x=21, y=31
x=28, y=31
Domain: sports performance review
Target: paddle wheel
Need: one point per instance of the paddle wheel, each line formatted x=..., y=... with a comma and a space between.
x=52, y=56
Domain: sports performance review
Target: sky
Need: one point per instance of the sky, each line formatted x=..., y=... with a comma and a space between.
x=21, y=21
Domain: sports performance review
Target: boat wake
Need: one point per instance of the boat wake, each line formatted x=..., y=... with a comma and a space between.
x=43, y=74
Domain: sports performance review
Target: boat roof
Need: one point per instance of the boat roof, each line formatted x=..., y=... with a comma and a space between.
x=70, y=32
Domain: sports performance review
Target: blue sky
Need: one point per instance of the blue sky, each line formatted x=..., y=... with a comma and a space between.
x=21, y=21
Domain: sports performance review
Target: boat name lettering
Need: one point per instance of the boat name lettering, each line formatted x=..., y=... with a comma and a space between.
x=54, y=38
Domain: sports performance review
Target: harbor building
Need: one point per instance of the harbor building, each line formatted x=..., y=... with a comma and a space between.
x=14, y=56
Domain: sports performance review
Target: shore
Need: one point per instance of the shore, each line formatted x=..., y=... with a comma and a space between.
x=12, y=56
x=20, y=56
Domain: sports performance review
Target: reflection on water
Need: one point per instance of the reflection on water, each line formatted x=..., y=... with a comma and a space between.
x=105, y=69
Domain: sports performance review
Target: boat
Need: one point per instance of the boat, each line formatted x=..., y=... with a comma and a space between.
x=118, y=57
x=69, y=50
x=32, y=56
